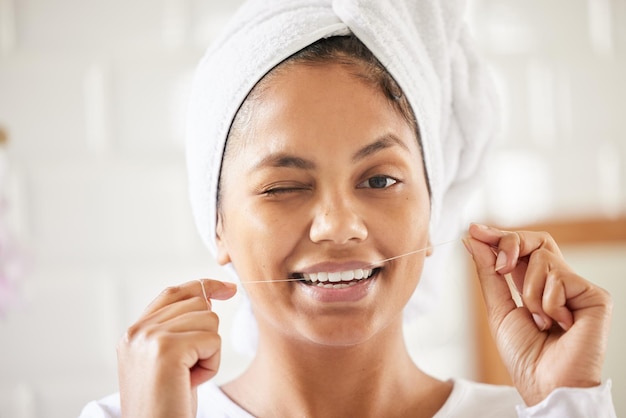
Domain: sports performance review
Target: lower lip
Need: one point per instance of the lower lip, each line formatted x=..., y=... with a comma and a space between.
x=347, y=294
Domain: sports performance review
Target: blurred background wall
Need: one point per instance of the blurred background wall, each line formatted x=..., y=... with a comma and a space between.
x=94, y=218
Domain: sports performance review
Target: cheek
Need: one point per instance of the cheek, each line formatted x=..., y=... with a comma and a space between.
x=405, y=224
x=259, y=240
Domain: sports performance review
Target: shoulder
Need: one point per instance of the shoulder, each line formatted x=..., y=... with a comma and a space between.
x=480, y=400
x=212, y=403
x=108, y=407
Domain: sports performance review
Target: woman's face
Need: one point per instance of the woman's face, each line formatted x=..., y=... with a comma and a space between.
x=326, y=180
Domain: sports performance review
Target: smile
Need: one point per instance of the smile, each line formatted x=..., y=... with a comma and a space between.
x=338, y=279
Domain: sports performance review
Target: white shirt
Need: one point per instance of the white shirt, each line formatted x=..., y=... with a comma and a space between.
x=467, y=399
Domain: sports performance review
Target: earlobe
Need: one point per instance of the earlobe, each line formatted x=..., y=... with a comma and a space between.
x=223, y=257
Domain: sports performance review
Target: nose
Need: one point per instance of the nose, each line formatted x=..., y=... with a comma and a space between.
x=337, y=220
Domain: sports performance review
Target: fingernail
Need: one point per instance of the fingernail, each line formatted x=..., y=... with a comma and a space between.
x=225, y=291
x=541, y=324
x=230, y=287
x=501, y=261
x=563, y=326
x=468, y=247
x=481, y=226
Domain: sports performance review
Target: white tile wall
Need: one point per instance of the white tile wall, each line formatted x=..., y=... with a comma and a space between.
x=148, y=99
x=42, y=103
x=90, y=25
x=559, y=66
x=92, y=94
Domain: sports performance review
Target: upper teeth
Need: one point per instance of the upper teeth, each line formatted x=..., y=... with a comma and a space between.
x=338, y=276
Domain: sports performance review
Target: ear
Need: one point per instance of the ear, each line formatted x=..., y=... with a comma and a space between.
x=223, y=257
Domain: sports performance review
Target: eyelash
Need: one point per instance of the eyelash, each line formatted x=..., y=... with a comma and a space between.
x=274, y=191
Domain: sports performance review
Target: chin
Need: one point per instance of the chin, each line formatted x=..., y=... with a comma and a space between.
x=341, y=333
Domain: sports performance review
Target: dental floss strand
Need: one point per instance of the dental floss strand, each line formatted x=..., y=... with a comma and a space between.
x=206, y=299
x=415, y=251
x=515, y=293
x=369, y=265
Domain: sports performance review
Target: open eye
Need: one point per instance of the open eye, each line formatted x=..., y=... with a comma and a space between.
x=377, y=182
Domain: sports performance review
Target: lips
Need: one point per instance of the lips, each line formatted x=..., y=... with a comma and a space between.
x=337, y=279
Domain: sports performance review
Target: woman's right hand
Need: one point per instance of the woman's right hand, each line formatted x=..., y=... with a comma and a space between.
x=170, y=350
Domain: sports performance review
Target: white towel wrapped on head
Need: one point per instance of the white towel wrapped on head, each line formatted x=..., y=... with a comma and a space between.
x=425, y=46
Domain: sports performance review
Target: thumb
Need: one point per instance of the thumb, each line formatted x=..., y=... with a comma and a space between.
x=495, y=289
x=216, y=289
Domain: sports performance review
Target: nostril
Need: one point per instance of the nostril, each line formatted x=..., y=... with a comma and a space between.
x=340, y=225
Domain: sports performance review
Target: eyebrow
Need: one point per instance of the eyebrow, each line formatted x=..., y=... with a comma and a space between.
x=384, y=142
x=281, y=159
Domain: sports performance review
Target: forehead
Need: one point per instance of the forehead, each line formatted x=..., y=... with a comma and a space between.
x=320, y=100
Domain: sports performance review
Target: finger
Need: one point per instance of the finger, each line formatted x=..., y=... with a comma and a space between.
x=528, y=240
x=534, y=284
x=508, y=252
x=199, y=352
x=209, y=357
x=485, y=234
x=196, y=351
x=214, y=289
x=193, y=321
x=510, y=246
x=495, y=290
x=554, y=301
x=574, y=293
x=175, y=309
x=552, y=291
x=504, y=244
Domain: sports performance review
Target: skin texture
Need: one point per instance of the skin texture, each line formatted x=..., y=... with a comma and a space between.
x=328, y=176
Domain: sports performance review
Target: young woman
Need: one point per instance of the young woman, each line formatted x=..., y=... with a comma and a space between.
x=328, y=169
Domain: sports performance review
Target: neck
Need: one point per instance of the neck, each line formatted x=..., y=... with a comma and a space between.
x=373, y=378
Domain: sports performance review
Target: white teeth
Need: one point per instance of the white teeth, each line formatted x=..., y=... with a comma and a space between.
x=336, y=285
x=334, y=277
x=351, y=276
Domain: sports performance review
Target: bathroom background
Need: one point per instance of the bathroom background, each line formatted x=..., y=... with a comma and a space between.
x=94, y=216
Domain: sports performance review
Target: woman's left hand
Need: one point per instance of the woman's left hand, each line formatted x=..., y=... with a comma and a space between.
x=559, y=337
